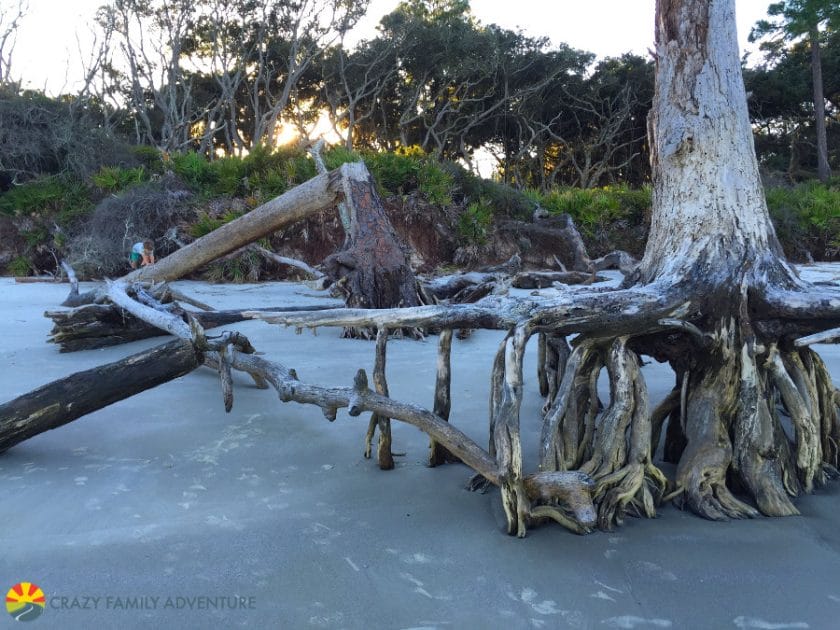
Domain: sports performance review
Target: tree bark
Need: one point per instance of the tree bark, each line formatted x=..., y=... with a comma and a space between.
x=67, y=399
x=823, y=169
x=372, y=268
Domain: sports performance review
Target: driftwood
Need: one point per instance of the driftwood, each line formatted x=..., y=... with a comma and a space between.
x=544, y=279
x=101, y=325
x=471, y=286
x=289, y=262
x=372, y=269
x=92, y=326
x=67, y=399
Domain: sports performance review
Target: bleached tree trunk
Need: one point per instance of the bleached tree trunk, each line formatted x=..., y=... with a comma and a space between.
x=709, y=213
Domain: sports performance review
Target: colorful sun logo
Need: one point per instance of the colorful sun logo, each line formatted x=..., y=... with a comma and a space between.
x=25, y=601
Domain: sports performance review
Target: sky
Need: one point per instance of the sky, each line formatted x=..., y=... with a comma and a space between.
x=49, y=38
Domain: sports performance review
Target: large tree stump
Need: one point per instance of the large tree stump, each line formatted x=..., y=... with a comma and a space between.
x=372, y=269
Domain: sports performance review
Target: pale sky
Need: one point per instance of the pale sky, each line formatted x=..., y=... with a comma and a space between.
x=47, y=50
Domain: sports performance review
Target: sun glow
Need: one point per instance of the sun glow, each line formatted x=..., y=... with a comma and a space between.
x=289, y=134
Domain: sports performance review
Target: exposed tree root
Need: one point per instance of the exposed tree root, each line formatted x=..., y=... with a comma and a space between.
x=723, y=425
x=737, y=390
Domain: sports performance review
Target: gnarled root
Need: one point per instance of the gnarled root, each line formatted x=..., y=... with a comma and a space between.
x=701, y=472
x=762, y=452
x=505, y=402
x=621, y=464
x=565, y=497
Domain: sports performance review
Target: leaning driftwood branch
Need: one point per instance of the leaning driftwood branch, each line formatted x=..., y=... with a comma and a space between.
x=315, y=195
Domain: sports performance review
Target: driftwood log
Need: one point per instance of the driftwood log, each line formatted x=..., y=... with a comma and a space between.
x=101, y=325
x=371, y=270
x=67, y=399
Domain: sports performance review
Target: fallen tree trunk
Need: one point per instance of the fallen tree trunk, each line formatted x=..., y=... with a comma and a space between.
x=372, y=268
x=317, y=194
x=101, y=325
x=67, y=399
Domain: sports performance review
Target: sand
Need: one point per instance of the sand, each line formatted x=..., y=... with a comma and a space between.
x=164, y=511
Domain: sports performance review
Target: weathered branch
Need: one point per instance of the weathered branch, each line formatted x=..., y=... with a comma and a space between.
x=827, y=336
x=363, y=399
x=620, y=311
x=319, y=193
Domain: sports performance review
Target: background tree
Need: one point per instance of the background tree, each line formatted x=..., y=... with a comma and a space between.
x=11, y=13
x=354, y=83
x=805, y=19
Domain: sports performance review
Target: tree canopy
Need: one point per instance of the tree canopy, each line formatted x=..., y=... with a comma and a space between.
x=222, y=77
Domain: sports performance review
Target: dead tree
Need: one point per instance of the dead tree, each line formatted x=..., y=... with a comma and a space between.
x=713, y=296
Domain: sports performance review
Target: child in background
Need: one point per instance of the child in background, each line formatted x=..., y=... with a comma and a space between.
x=142, y=254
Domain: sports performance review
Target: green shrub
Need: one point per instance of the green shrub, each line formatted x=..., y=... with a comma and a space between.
x=149, y=157
x=194, y=170
x=395, y=174
x=505, y=200
x=20, y=266
x=807, y=218
x=408, y=170
x=338, y=155
x=597, y=209
x=229, y=176
x=52, y=196
x=475, y=222
x=114, y=179
x=435, y=183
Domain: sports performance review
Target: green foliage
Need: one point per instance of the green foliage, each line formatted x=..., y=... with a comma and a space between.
x=475, y=222
x=505, y=200
x=807, y=218
x=229, y=174
x=435, y=183
x=272, y=172
x=596, y=209
x=193, y=169
x=149, y=157
x=338, y=155
x=394, y=173
x=206, y=224
x=408, y=170
x=113, y=179
x=52, y=196
x=20, y=266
